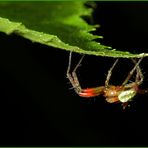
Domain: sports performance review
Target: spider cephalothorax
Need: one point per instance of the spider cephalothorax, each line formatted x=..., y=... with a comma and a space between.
x=113, y=94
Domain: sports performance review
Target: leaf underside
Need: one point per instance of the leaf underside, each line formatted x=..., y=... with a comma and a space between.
x=57, y=24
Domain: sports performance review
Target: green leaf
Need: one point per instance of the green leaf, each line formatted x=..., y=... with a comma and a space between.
x=56, y=24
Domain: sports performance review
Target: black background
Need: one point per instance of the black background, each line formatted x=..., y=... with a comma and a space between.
x=37, y=106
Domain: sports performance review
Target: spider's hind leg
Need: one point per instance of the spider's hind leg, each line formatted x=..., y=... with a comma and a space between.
x=139, y=73
x=139, y=76
x=139, y=79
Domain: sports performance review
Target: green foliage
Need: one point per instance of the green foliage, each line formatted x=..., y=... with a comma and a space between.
x=57, y=24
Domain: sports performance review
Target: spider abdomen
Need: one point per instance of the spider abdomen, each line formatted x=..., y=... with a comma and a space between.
x=126, y=95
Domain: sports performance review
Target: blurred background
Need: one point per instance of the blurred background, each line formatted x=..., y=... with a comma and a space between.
x=38, y=106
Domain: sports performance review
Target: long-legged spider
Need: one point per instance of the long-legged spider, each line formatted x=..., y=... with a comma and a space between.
x=114, y=94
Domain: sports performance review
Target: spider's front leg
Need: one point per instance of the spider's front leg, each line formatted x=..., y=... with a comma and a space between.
x=88, y=92
x=73, y=77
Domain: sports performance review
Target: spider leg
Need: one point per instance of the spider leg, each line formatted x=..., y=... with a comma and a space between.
x=110, y=73
x=139, y=79
x=139, y=76
x=73, y=78
x=75, y=69
x=132, y=71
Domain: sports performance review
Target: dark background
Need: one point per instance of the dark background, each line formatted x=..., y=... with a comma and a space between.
x=37, y=106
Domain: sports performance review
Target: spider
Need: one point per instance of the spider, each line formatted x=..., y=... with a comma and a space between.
x=114, y=94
